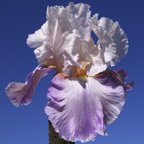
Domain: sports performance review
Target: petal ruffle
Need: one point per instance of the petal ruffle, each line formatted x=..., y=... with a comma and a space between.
x=65, y=39
x=115, y=78
x=79, y=109
x=38, y=38
x=42, y=45
x=98, y=65
x=79, y=15
x=112, y=39
x=49, y=40
x=21, y=93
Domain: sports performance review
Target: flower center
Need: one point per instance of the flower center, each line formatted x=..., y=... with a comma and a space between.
x=80, y=72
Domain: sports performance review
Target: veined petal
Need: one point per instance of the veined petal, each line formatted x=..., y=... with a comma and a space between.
x=112, y=39
x=79, y=109
x=21, y=93
x=114, y=79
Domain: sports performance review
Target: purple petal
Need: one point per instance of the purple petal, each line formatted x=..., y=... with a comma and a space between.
x=122, y=73
x=112, y=78
x=127, y=85
x=21, y=93
x=79, y=109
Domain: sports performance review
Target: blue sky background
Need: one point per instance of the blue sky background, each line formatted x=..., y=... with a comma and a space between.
x=28, y=125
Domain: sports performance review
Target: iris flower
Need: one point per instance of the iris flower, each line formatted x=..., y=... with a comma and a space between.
x=85, y=95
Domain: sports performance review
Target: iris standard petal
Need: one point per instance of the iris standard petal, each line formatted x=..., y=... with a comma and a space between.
x=79, y=109
x=79, y=15
x=42, y=45
x=38, y=38
x=21, y=93
x=49, y=39
x=98, y=65
x=112, y=39
x=66, y=36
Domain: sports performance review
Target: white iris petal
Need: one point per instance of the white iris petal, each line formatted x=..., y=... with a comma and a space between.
x=65, y=39
x=112, y=39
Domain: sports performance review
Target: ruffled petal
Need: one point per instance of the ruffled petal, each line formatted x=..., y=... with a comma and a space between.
x=38, y=38
x=42, y=45
x=114, y=79
x=98, y=65
x=112, y=39
x=21, y=93
x=65, y=38
x=122, y=75
x=79, y=109
x=49, y=40
x=79, y=15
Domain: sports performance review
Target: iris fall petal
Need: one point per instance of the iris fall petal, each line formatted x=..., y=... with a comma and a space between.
x=21, y=93
x=79, y=109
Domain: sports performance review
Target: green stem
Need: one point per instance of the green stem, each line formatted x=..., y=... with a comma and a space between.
x=54, y=137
